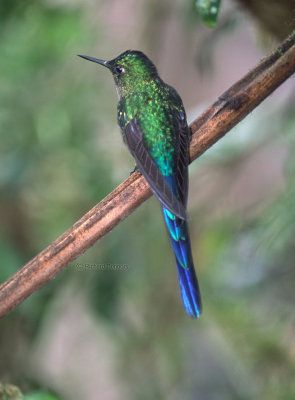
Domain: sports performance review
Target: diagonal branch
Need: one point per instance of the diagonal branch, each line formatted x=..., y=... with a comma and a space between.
x=230, y=108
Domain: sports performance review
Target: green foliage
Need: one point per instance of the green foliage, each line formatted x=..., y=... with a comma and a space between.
x=40, y=396
x=208, y=10
x=51, y=169
x=11, y=392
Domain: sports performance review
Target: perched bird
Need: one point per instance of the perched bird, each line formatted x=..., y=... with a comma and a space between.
x=154, y=128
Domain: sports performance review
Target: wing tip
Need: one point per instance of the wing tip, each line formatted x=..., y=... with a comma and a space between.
x=177, y=209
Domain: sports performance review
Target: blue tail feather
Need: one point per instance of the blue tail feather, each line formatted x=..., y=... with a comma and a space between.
x=189, y=288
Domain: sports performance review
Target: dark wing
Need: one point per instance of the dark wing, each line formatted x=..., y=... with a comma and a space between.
x=183, y=158
x=149, y=169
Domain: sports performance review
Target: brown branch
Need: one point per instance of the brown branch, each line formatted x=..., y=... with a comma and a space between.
x=215, y=122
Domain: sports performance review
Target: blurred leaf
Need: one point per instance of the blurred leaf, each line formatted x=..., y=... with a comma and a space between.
x=41, y=396
x=208, y=10
x=10, y=392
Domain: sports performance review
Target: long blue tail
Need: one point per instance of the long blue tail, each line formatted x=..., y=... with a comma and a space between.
x=180, y=240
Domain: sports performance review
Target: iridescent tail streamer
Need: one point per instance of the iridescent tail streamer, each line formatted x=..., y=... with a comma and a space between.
x=180, y=240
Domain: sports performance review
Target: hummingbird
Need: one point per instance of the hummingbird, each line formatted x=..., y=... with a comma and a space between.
x=153, y=124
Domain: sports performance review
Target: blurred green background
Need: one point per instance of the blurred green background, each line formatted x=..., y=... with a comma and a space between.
x=122, y=333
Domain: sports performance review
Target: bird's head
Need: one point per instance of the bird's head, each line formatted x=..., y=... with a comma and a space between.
x=131, y=70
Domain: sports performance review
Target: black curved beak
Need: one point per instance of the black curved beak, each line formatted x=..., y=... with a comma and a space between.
x=96, y=60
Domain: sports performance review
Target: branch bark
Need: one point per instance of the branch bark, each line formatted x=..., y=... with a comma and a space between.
x=230, y=108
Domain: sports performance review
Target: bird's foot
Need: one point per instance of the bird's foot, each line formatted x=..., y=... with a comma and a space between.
x=134, y=170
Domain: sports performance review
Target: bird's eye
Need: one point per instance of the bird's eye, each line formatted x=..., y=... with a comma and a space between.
x=119, y=70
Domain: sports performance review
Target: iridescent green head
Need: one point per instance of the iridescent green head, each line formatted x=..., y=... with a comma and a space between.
x=131, y=70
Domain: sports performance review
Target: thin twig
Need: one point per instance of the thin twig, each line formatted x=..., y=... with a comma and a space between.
x=215, y=122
